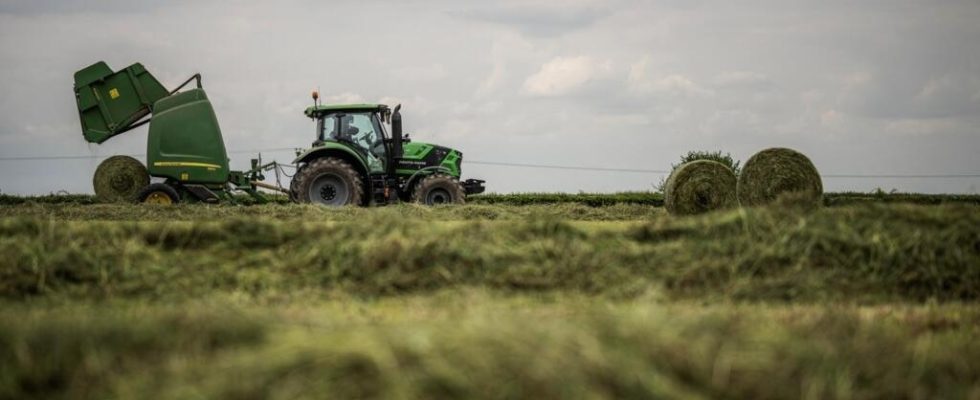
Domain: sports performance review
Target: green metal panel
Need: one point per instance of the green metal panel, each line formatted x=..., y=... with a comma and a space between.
x=314, y=152
x=110, y=102
x=451, y=162
x=185, y=142
x=416, y=150
x=420, y=151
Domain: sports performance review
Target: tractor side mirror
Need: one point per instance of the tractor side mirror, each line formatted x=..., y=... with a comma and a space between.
x=396, y=133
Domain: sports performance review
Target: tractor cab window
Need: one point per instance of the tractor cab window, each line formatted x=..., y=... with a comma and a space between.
x=359, y=128
x=327, y=127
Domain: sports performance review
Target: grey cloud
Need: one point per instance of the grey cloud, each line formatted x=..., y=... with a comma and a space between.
x=540, y=18
x=893, y=94
x=877, y=86
x=37, y=7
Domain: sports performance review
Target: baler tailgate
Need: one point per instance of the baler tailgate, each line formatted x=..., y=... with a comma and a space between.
x=110, y=103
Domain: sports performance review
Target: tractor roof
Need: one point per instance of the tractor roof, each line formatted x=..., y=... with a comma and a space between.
x=325, y=108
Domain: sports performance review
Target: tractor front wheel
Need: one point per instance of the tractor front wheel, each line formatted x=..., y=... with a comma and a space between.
x=329, y=182
x=158, y=193
x=439, y=189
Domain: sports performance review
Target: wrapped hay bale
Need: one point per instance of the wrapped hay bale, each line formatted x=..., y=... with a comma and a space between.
x=119, y=179
x=700, y=186
x=778, y=172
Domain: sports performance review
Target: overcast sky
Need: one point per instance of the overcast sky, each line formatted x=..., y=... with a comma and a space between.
x=861, y=87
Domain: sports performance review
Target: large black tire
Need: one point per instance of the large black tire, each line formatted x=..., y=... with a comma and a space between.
x=158, y=193
x=119, y=179
x=294, y=184
x=438, y=189
x=329, y=182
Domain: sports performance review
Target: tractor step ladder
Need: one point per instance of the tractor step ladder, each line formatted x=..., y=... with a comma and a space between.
x=378, y=189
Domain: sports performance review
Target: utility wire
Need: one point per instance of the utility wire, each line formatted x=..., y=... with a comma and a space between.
x=902, y=176
x=525, y=165
x=657, y=171
x=569, y=167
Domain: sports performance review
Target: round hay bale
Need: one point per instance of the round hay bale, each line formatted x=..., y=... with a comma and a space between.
x=119, y=179
x=778, y=172
x=700, y=186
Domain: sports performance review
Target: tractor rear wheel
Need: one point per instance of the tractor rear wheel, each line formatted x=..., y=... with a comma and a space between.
x=329, y=182
x=119, y=179
x=158, y=193
x=294, y=184
x=438, y=189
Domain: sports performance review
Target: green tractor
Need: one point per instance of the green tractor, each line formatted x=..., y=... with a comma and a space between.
x=352, y=162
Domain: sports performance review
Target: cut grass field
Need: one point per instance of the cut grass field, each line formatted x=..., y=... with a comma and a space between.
x=867, y=300
x=588, y=199
x=475, y=344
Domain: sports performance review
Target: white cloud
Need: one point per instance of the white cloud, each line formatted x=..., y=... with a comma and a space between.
x=507, y=50
x=674, y=84
x=643, y=80
x=563, y=75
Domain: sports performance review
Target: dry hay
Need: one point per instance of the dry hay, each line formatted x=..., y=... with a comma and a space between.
x=700, y=186
x=777, y=172
x=119, y=179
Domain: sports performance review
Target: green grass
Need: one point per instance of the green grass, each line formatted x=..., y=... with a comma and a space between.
x=864, y=300
x=202, y=212
x=473, y=344
x=867, y=252
x=588, y=199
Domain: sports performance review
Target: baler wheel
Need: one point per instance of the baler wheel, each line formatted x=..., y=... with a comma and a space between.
x=159, y=193
x=439, y=189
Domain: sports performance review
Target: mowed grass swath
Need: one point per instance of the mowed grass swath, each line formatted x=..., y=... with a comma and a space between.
x=473, y=344
x=871, y=252
x=862, y=299
x=654, y=199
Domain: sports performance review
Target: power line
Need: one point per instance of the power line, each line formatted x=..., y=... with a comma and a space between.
x=657, y=171
x=901, y=176
x=569, y=167
x=527, y=165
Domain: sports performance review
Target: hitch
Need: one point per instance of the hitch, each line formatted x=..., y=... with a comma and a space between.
x=474, y=186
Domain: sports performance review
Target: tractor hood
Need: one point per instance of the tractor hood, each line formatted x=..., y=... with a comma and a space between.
x=418, y=155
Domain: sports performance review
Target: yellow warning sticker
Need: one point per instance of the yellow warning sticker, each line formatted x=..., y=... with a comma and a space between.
x=113, y=93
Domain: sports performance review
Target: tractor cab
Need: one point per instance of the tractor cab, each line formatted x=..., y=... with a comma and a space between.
x=360, y=126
